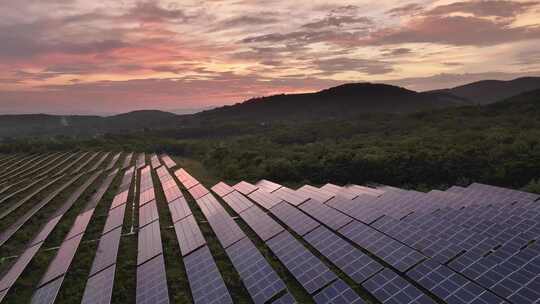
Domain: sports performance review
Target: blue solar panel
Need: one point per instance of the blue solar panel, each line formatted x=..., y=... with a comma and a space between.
x=308, y=270
x=388, y=287
x=298, y=221
x=388, y=249
x=260, y=279
x=152, y=282
x=263, y=225
x=326, y=215
x=337, y=293
x=349, y=259
x=99, y=287
x=206, y=283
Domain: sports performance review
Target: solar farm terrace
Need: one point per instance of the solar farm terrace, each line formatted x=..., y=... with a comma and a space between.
x=110, y=227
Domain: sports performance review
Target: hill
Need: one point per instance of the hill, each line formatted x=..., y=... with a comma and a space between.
x=490, y=91
x=343, y=101
x=75, y=125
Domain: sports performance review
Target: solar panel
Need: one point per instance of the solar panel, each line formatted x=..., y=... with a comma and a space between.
x=147, y=196
x=260, y=279
x=152, y=282
x=449, y=285
x=198, y=191
x=237, y=201
x=293, y=197
x=267, y=185
x=62, y=260
x=356, y=189
x=222, y=189
x=337, y=292
x=169, y=163
x=388, y=249
x=149, y=242
x=172, y=193
x=294, y=218
x=353, y=208
x=245, y=187
x=388, y=287
x=326, y=215
x=99, y=287
x=349, y=259
x=46, y=294
x=106, y=251
x=46, y=230
x=315, y=193
x=189, y=235
x=265, y=199
x=3, y=294
x=339, y=191
x=115, y=218
x=263, y=225
x=18, y=267
x=287, y=298
x=148, y=213
x=308, y=270
x=120, y=199
x=179, y=209
x=223, y=225
x=80, y=224
x=205, y=281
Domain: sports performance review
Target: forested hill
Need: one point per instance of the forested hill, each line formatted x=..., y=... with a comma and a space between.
x=343, y=101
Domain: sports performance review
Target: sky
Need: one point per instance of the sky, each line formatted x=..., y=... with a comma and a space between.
x=102, y=57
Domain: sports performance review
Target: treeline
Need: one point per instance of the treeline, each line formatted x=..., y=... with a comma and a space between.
x=497, y=144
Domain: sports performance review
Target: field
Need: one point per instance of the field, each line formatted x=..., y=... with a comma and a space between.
x=121, y=227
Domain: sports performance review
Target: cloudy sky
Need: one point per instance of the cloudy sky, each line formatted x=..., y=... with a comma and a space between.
x=75, y=56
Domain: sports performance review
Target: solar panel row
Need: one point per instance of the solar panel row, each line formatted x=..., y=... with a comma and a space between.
x=168, y=161
x=51, y=281
x=151, y=278
x=205, y=281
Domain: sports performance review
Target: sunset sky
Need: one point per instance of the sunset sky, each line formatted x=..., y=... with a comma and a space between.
x=88, y=57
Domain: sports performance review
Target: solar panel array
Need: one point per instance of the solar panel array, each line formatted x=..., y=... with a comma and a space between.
x=51, y=281
x=19, y=265
x=151, y=278
x=475, y=244
x=205, y=281
x=99, y=286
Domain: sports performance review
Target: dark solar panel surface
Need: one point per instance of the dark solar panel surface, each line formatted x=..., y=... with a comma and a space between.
x=62, y=260
x=346, y=257
x=339, y=191
x=294, y=218
x=222, y=189
x=226, y=230
x=337, y=292
x=99, y=287
x=260, y=222
x=149, y=242
x=115, y=218
x=245, y=187
x=293, y=197
x=120, y=199
x=106, y=251
x=148, y=213
x=326, y=215
x=449, y=285
x=265, y=199
x=46, y=294
x=189, y=235
x=179, y=209
x=237, y=201
x=386, y=248
x=388, y=287
x=147, y=196
x=315, y=193
x=308, y=270
x=172, y=193
x=260, y=279
x=18, y=267
x=287, y=298
x=80, y=224
x=206, y=283
x=152, y=282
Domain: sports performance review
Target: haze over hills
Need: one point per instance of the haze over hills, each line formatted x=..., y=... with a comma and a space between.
x=341, y=102
x=489, y=91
